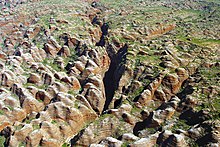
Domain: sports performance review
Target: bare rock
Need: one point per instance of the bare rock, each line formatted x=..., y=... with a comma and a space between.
x=125, y=108
x=17, y=114
x=31, y=33
x=73, y=81
x=80, y=65
x=72, y=42
x=163, y=136
x=3, y=55
x=94, y=93
x=96, y=80
x=20, y=91
x=5, y=122
x=34, y=138
x=59, y=75
x=195, y=133
x=34, y=78
x=110, y=141
x=128, y=137
x=145, y=114
x=147, y=142
x=160, y=95
x=30, y=104
x=142, y=142
x=98, y=131
x=50, y=143
x=42, y=95
x=128, y=36
x=8, y=100
x=52, y=47
x=83, y=100
x=21, y=134
x=50, y=131
x=171, y=81
x=7, y=78
x=96, y=145
x=65, y=98
x=88, y=114
x=148, y=94
x=65, y=130
x=52, y=91
x=65, y=51
x=182, y=74
x=172, y=103
x=123, y=74
x=60, y=87
x=27, y=57
x=58, y=111
x=159, y=116
x=47, y=78
x=145, y=97
x=175, y=140
x=37, y=54
x=33, y=90
x=128, y=118
x=95, y=98
x=59, y=62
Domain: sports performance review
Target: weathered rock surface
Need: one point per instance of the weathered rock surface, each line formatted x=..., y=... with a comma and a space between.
x=98, y=73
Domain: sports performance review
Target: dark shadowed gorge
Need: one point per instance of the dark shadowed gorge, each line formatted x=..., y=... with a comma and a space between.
x=136, y=73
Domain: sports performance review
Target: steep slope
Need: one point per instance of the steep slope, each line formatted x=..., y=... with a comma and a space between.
x=109, y=73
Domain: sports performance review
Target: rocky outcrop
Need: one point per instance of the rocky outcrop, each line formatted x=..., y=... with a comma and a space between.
x=32, y=32
x=99, y=131
x=170, y=85
x=91, y=73
x=150, y=141
x=148, y=94
x=110, y=141
x=167, y=138
x=52, y=47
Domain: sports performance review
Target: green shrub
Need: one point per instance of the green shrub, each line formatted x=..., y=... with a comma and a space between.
x=2, y=140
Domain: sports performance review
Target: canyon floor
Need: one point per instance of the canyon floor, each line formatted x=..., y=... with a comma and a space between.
x=136, y=73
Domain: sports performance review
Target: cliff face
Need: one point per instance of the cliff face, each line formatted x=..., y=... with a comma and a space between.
x=100, y=73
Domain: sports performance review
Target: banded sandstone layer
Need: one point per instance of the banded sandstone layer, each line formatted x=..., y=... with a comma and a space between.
x=109, y=73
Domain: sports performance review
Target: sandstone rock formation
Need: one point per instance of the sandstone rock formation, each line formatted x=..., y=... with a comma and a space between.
x=99, y=73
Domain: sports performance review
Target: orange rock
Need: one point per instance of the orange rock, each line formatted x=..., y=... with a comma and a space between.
x=34, y=138
x=65, y=51
x=34, y=78
x=50, y=143
x=43, y=96
x=21, y=134
x=18, y=114
x=171, y=82
x=31, y=104
x=4, y=124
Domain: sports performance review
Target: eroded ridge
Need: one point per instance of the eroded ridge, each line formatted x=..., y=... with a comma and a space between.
x=99, y=73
